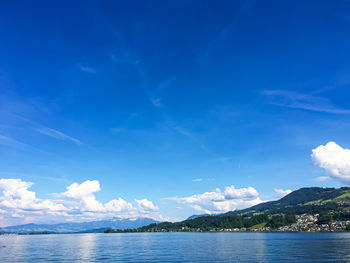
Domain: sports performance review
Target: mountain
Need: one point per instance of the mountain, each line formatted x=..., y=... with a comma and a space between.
x=324, y=204
x=305, y=200
x=195, y=216
x=94, y=226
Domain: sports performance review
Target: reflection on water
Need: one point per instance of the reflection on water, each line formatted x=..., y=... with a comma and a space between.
x=177, y=247
x=87, y=247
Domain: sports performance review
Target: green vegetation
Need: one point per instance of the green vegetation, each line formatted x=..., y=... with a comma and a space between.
x=343, y=197
x=324, y=219
x=277, y=221
x=312, y=200
x=216, y=223
x=258, y=226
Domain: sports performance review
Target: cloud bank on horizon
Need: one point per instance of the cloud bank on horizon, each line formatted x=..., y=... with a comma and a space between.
x=78, y=203
x=229, y=199
x=221, y=201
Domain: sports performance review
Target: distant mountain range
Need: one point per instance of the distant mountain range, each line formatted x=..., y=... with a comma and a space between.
x=84, y=227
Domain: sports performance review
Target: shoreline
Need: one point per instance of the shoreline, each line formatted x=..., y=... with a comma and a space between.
x=198, y=232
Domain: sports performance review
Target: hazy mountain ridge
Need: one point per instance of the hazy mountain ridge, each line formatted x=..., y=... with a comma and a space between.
x=94, y=226
x=195, y=216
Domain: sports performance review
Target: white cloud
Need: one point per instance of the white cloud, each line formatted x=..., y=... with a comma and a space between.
x=146, y=205
x=15, y=195
x=79, y=191
x=20, y=205
x=85, y=193
x=221, y=201
x=118, y=205
x=334, y=159
x=243, y=193
x=281, y=193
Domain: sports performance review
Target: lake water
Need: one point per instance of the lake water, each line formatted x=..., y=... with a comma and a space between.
x=177, y=247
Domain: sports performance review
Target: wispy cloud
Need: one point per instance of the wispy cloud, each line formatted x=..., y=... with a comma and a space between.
x=119, y=129
x=197, y=180
x=296, y=100
x=225, y=159
x=322, y=178
x=156, y=102
x=56, y=134
x=191, y=136
x=13, y=143
x=53, y=133
x=7, y=141
x=220, y=37
x=153, y=91
x=155, y=94
x=59, y=179
x=86, y=68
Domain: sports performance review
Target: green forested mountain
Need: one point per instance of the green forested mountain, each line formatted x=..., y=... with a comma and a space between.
x=329, y=203
x=305, y=200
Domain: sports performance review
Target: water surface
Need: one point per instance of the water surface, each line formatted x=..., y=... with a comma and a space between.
x=177, y=247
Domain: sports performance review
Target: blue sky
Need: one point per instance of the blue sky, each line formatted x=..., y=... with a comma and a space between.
x=159, y=101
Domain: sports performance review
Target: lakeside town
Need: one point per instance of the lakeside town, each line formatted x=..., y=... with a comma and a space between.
x=304, y=223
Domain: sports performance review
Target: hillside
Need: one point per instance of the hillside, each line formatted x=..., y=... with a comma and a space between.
x=305, y=200
x=327, y=203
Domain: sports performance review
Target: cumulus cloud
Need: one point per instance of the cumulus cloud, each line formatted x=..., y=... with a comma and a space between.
x=146, y=205
x=119, y=205
x=86, y=188
x=334, y=159
x=221, y=201
x=243, y=193
x=281, y=193
x=85, y=193
x=78, y=203
x=15, y=195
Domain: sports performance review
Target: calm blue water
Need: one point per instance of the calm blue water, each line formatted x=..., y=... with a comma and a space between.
x=177, y=247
